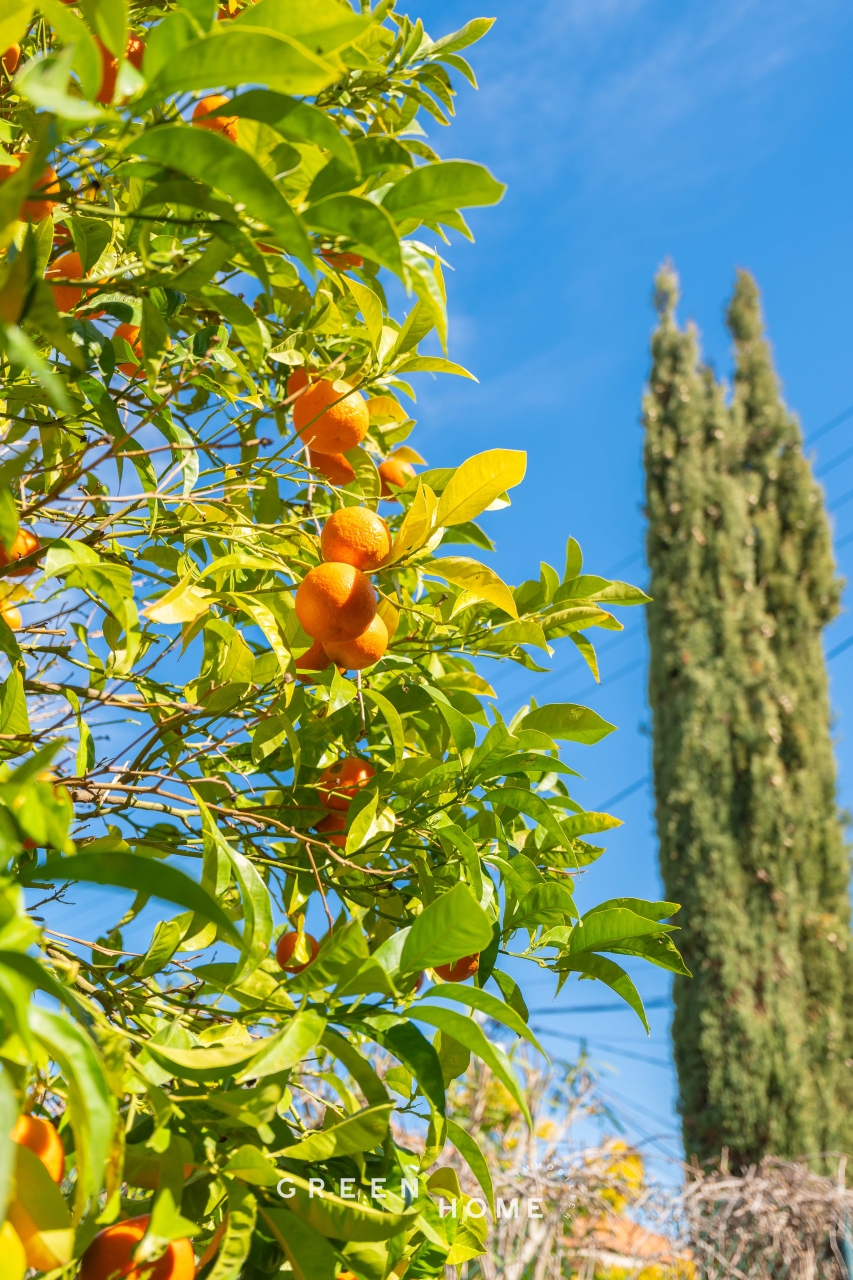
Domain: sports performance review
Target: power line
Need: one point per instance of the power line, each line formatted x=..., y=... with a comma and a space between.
x=608, y=1048
x=658, y=1002
x=829, y=426
x=834, y=462
x=623, y=795
x=839, y=648
x=839, y=502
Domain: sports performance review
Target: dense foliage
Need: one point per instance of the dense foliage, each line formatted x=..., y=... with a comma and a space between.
x=751, y=843
x=182, y=281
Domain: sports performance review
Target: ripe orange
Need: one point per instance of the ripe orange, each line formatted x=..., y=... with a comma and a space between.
x=109, y=1256
x=356, y=536
x=335, y=602
x=394, y=475
x=460, y=969
x=135, y=51
x=11, y=58
x=342, y=260
x=12, y=617
x=43, y=1140
x=363, y=651
x=337, y=469
x=130, y=333
x=68, y=267
x=331, y=417
x=333, y=827
x=287, y=945
x=34, y=210
x=109, y=73
x=314, y=659
x=26, y=542
x=297, y=380
x=339, y=783
x=203, y=119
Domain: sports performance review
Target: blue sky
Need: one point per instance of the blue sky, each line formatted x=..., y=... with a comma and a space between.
x=628, y=131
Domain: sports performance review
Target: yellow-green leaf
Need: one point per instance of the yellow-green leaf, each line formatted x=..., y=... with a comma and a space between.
x=418, y=524
x=184, y=603
x=478, y=581
x=475, y=485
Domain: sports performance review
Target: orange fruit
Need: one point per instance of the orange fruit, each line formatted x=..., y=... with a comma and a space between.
x=342, y=260
x=12, y=617
x=10, y=59
x=204, y=119
x=336, y=468
x=331, y=417
x=285, y=948
x=34, y=210
x=339, y=783
x=130, y=333
x=135, y=51
x=43, y=1140
x=314, y=659
x=333, y=827
x=109, y=73
x=394, y=475
x=26, y=542
x=335, y=602
x=460, y=969
x=110, y=1256
x=363, y=651
x=297, y=380
x=356, y=536
x=69, y=266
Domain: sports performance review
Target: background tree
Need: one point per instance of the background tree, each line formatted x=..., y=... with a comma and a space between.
x=743, y=583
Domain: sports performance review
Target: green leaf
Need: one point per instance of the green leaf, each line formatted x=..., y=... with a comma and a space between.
x=607, y=971
x=109, y=19
x=476, y=998
x=461, y=728
x=92, y=1105
x=366, y=224
x=40, y=1199
x=474, y=1158
x=582, y=824
x=338, y=1219
x=237, y=1241
x=358, y=1067
x=14, y=720
x=597, y=931
x=568, y=722
x=418, y=524
x=323, y=26
x=297, y=121
x=370, y=307
x=526, y=632
x=433, y=364
x=531, y=804
x=453, y=926
x=257, y=909
x=651, y=910
x=73, y=32
x=240, y=55
x=154, y=335
x=210, y=157
x=302, y=1033
x=142, y=875
x=164, y=944
x=249, y=1165
x=433, y=189
x=311, y=1257
x=393, y=721
x=20, y=349
x=469, y=1033
x=478, y=581
x=461, y=39
x=360, y=1132
x=413, y=1049
x=660, y=951
x=541, y=903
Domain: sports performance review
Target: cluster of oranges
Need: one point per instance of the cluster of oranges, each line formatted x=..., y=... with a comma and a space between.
x=336, y=602
x=331, y=418
x=111, y=1252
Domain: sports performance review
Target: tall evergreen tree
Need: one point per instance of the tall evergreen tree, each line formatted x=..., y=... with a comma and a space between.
x=750, y=840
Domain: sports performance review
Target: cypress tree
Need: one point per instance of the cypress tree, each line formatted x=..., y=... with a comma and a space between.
x=750, y=841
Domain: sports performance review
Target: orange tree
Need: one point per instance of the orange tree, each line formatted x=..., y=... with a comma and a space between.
x=202, y=377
